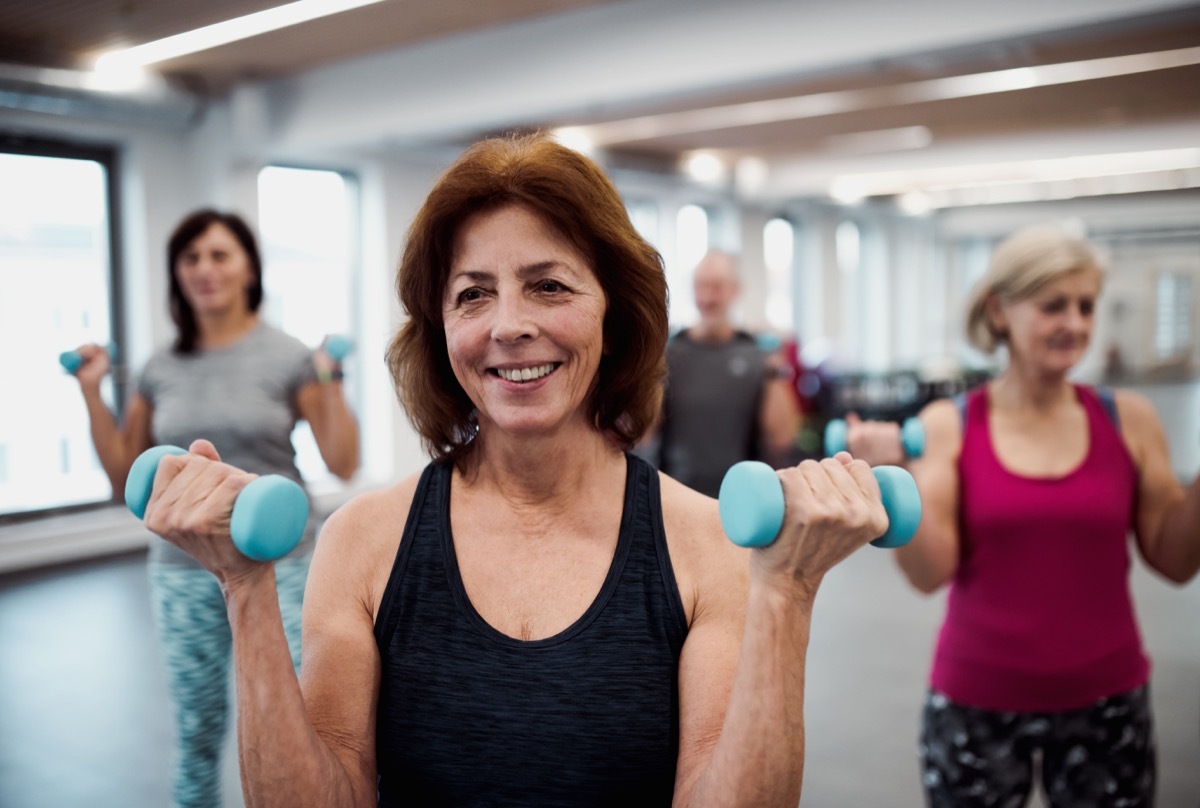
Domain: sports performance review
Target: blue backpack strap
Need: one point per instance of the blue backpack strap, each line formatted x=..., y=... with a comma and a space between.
x=960, y=401
x=1108, y=399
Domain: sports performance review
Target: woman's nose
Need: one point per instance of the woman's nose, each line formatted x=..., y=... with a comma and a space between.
x=513, y=319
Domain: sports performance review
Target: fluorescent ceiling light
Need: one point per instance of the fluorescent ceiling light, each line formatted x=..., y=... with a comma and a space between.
x=222, y=33
x=838, y=102
x=1026, y=180
x=1056, y=169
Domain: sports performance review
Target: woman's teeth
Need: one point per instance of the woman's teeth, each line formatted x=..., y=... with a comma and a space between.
x=524, y=374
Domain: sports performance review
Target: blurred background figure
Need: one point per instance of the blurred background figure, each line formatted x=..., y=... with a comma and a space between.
x=241, y=383
x=1031, y=485
x=728, y=397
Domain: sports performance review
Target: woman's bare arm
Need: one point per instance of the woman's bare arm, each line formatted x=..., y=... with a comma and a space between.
x=1168, y=514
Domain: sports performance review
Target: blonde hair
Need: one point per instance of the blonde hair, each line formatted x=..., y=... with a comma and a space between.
x=1024, y=263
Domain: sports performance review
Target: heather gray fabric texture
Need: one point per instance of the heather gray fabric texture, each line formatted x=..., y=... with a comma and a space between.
x=711, y=408
x=239, y=398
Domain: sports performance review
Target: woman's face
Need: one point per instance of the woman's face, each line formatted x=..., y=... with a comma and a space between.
x=214, y=272
x=1051, y=329
x=524, y=319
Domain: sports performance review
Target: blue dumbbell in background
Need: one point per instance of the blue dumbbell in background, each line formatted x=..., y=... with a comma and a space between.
x=338, y=347
x=72, y=360
x=269, y=514
x=912, y=437
x=752, y=505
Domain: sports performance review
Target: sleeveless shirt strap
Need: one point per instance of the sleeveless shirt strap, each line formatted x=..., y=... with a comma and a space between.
x=1108, y=399
x=960, y=401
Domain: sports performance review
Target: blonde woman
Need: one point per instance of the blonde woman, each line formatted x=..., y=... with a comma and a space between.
x=1031, y=486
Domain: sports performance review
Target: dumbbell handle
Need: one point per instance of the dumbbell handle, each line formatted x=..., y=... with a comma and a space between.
x=912, y=437
x=269, y=514
x=752, y=505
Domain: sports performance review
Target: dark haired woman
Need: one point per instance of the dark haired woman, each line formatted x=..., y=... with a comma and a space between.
x=240, y=383
x=539, y=617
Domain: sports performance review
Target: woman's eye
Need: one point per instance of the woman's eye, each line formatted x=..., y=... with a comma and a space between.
x=469, y=295
x=550, y=287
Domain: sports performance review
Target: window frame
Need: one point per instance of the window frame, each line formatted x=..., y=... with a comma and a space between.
x=109, y=157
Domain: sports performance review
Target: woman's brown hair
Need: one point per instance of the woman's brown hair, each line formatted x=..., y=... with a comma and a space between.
x=574, y=196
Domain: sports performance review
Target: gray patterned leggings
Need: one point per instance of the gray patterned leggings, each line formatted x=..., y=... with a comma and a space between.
x=195, y=644
x=1100, y=756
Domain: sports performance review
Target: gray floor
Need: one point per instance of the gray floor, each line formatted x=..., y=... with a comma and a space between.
x=83, y=708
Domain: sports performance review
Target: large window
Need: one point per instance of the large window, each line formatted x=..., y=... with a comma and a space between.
x=691, y=243
x=57, y=291
x=308, y=226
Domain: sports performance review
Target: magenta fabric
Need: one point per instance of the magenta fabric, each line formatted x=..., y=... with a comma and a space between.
x=1039, y=614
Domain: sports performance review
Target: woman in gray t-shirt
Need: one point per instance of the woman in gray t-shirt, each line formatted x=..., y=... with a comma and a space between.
x=242, y=384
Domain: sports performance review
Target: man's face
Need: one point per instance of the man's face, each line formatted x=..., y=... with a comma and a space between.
x=716, y=288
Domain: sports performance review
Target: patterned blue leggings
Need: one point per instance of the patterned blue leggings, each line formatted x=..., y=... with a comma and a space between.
x=193, y=631
x=1101, y=756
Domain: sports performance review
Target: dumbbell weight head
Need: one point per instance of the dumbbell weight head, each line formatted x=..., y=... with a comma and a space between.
x=752, y=506
x=338, y=347
x=71, y=360
x=912, y=437
x=269, y=514
x=835, y=437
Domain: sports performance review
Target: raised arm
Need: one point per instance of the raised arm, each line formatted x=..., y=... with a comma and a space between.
x=742, y=668
x=1168, y=514
x=929, y=560
x=310, y=746
x=117, y=446
x=779, y=414
x=323, y=404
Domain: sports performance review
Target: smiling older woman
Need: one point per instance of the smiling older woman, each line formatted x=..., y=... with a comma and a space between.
x=538, y=617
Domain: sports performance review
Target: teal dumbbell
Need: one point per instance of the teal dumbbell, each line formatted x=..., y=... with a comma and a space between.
x=752, y=506
x=912, y=437
x=338, y=347
x=269, y=514
x=73, y=360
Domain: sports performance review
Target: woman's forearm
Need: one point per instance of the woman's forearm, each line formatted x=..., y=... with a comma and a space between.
x=110, y=444
x=284, y=761
x=336, y=432
x=759, y=759
x=1177, y=549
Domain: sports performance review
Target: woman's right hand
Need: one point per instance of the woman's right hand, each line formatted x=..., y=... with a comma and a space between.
x=877, y=442
x=96, y=363
x=191, y=506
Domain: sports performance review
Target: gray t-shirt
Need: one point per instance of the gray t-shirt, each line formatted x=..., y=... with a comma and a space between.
x=711, y=408
x=240, y=398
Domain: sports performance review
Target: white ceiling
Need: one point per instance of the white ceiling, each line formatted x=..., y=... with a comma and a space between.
x=861, y=92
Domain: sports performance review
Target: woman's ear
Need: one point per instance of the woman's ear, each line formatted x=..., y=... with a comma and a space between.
x=997, y=319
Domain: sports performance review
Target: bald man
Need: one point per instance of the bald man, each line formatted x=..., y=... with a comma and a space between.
x=726, y=400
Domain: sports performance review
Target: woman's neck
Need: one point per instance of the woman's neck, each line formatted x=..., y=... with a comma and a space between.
x=220, y=330
x=540, y=472
x=1014, y=389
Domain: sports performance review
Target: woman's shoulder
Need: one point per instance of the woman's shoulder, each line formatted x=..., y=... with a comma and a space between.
x=359, y=540
x=704, y=559
x=382, y=510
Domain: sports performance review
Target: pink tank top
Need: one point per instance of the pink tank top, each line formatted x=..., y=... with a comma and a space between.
x=1039, y=615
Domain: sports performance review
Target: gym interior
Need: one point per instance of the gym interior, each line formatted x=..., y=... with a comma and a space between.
x=861, y=159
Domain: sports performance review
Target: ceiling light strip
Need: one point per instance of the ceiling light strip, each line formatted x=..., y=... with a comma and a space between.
x=222, y=33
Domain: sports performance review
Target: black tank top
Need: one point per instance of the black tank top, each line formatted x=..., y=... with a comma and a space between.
x=471, y=717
